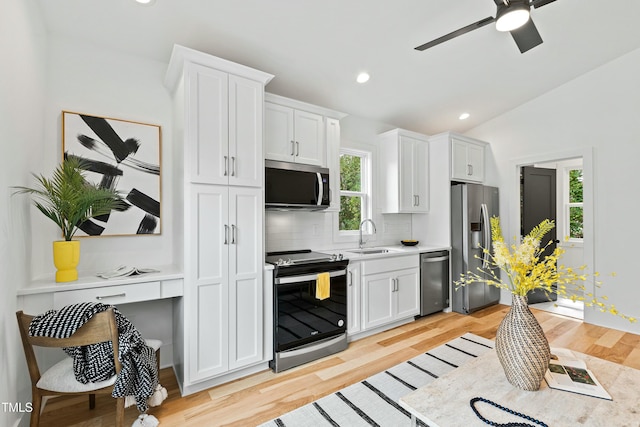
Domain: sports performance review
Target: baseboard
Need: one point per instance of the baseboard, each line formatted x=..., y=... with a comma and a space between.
x=19, y=421
x=187, y=389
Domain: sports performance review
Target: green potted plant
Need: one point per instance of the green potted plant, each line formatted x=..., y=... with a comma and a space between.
x=68, y=199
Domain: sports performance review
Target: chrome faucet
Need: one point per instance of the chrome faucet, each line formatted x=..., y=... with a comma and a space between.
x=360, y=242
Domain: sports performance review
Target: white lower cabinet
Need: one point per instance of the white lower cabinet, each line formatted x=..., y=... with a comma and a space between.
x=226, y=288
x=354, y=318
x=390, y=290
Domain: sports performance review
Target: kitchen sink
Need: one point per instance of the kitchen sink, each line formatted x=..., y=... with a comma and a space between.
x=369, y=251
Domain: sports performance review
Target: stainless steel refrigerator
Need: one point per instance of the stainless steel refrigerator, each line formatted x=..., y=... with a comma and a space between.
x=471, y=207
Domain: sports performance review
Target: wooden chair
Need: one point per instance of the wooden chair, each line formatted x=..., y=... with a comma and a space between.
x=60, y=379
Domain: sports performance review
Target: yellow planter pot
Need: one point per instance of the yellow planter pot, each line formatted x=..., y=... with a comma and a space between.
x=66, y=256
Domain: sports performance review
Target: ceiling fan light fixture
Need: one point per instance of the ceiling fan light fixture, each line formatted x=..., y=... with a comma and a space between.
x=513, y=15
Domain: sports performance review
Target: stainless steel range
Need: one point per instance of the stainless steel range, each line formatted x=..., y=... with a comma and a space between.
x=305, y=327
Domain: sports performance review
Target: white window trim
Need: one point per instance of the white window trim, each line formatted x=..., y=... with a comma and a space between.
x=365, y=192
x=567, y=205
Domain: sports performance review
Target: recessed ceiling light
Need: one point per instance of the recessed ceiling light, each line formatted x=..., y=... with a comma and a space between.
x=362, y=78
x=464, y=116
x=146, y=2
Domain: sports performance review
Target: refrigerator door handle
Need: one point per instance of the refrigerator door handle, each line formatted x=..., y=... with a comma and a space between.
x=486, y=229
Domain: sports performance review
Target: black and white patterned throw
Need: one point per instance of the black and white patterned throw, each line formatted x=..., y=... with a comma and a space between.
x=93, y=363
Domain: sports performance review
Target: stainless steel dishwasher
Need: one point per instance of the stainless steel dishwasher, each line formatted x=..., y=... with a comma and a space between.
x=434, y=282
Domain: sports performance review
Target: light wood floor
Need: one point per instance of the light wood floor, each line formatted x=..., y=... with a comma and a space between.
x=265, y=395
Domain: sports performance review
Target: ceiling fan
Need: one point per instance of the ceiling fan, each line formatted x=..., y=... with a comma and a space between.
x=512, y=16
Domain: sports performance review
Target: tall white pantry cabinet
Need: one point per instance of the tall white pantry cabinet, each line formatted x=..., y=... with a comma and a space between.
x=218, y=141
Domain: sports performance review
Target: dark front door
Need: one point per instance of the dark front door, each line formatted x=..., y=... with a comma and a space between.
x=538, y=192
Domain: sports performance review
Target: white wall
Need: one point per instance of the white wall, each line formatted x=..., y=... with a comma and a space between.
x=316, y=230
x=597, y=113
x=82, y=78
x=22, y=77
x=89, y=79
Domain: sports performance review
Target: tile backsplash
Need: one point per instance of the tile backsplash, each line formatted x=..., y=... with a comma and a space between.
x=291, y=230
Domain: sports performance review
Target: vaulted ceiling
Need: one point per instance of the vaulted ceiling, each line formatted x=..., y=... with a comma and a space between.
x=316, y=48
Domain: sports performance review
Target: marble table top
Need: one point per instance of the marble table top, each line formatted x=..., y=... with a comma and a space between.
x=445, y=401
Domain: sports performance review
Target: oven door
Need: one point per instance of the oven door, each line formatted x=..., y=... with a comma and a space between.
x=301, y=318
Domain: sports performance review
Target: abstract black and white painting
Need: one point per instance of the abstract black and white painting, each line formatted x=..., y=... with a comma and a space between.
x=122, y=155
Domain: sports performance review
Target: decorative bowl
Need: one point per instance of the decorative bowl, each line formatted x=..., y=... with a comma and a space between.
x=409, y=242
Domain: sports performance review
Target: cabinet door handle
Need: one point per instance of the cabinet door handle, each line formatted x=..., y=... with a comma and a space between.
x=350, y=278
x=233, y=166
x=101, y=297
x=226, y=234
x=297, y=148
x=233, y=234
x=469, y=169
x=226, y=165
x=293, y=145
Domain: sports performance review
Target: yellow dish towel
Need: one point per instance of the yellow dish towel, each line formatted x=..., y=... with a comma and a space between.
x=323, y=286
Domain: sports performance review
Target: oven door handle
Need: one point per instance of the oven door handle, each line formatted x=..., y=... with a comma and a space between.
x=305, y=278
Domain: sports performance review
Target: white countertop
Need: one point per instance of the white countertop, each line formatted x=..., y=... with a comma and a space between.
x=88, y=279
x=393, y=250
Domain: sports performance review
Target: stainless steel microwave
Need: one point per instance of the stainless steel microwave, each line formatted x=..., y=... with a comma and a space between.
x=295, y=186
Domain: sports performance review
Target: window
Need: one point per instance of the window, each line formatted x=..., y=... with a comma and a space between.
x=574, y=206
x=355, y=204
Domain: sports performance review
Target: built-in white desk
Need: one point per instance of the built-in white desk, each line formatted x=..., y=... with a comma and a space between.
x=45, y=294
x=145, y=299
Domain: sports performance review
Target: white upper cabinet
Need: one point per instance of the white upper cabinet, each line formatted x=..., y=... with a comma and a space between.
x=279, y=142
x=224, y=128
x=467, y=159
x=207, y=127
x=333, y=162
x=405, y=160
x=246, y=99
x=293, y=135
x=308, y=134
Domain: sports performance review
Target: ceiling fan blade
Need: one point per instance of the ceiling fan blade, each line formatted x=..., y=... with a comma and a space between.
x=539, y=3
x=527, y=37
x=461, y=31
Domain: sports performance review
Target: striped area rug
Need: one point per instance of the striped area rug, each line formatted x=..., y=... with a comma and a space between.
x=374, y=401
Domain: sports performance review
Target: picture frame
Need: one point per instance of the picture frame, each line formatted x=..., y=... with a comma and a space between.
x=123, y=155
